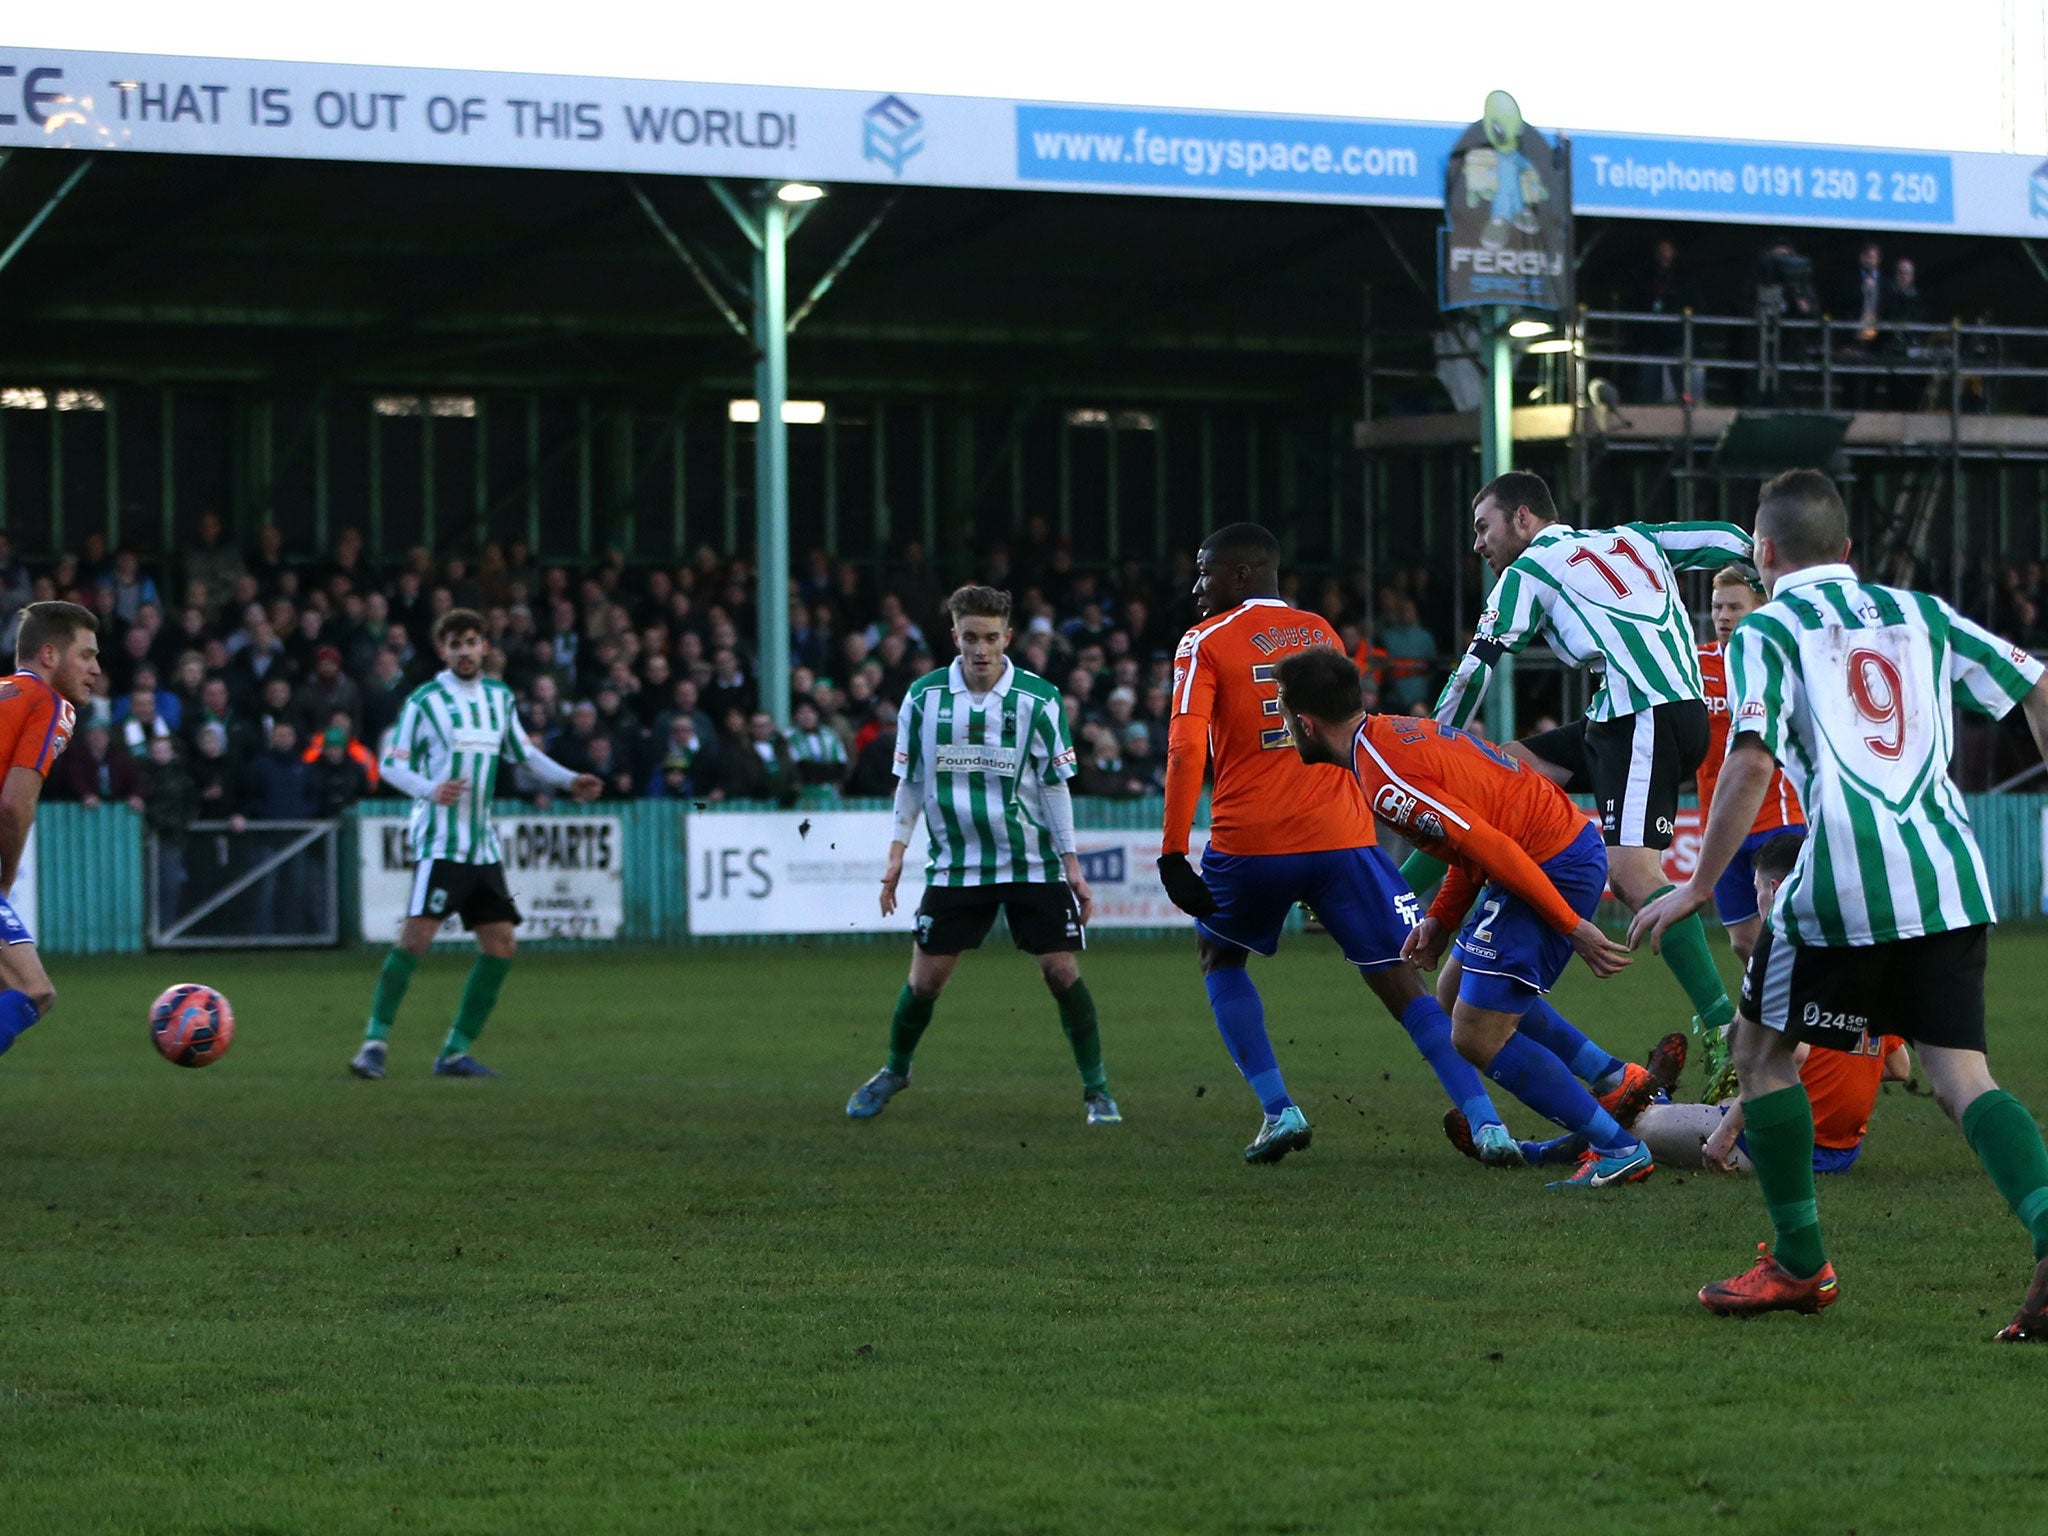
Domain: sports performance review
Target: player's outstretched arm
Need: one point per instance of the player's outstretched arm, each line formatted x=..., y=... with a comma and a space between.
x=19, y=794
x=582, y=787
x=1745, y=780
x=1187, y=754
x=1698, y=546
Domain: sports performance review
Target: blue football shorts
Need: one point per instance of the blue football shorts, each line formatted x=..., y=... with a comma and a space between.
x=1356, y=893
x=1509, y=951
x=1735, y=891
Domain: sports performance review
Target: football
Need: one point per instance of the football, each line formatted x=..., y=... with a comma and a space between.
x=191, y=1025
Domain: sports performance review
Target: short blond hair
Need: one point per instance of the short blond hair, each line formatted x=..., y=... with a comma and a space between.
x=1736, y=576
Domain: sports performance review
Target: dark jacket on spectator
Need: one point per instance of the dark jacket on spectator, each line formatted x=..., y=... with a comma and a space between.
x=874, y=768
x=78, y=775
x=170, y=800
x=750, y=776
x=335, y=785
x=281, y=788
x=222, y=785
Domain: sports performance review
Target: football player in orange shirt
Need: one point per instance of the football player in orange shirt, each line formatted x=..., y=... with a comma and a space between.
x=1502, y=826
x=1281, y=832
x=56, y=659
x=1842, y=1084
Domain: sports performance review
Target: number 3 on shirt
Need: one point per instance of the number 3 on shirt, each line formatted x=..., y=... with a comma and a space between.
x=1277, y=738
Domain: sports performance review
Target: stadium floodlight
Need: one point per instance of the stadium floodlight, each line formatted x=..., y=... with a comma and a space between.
x=1525, y=328
x=795, y=413
x=799, y=192
x=1554, y=344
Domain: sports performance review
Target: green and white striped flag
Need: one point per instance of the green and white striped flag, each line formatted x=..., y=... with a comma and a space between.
x=1601, y=597
x=1852, y=687
x=983, y=766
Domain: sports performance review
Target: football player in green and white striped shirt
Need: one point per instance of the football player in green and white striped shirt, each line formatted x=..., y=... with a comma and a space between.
x=444, y=752
x=982, y=753
x=1882, y=926
x=1607, y=598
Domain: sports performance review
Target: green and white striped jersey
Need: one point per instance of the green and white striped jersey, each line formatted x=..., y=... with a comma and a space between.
x=820, y=746
x=450, y=729
x=1851, y=686
x=1605, y=598
x=982, y=766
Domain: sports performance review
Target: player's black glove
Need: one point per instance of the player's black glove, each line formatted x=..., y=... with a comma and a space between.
x=1184, y=888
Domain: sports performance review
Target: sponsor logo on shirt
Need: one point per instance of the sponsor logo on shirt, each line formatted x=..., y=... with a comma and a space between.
x=983, y=759
x=1393, y=805
x=1753, y=710
x=472, y=738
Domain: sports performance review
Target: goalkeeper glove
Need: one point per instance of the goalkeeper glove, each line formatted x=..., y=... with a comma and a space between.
x=1184, y=888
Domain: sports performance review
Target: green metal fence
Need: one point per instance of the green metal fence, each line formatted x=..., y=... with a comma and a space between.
x=90, y=865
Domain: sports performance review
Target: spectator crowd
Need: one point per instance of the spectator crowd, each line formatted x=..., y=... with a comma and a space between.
x=243, y=685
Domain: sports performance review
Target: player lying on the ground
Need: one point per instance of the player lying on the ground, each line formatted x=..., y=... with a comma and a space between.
x=1540, y=862
x=56, y=660
x=1735, y=598
x=982, y=753
x=444, y=752
x=1606, y=598
x=1281, y=832
x=1883, y=925
x=1841, y=1084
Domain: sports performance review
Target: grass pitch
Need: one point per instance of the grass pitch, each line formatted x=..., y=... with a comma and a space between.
x=653, y=1280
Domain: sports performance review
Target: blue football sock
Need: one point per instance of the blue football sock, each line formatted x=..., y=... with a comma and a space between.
x=1430, y=1028
x=1559, y=1036
x=16, y=1014
x=1241, y=1020
x=1547, y=1086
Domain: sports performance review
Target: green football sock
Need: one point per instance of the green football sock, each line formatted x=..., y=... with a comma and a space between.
x=1685, y=951
x=1779, y=1130
x=391, y=984
x=1077, y=1018
x=913, y=1018
x=479, y=997
x=2008, y=1143
x=1422, y=872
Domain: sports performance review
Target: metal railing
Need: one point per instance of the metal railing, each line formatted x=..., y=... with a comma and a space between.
x=245, y=884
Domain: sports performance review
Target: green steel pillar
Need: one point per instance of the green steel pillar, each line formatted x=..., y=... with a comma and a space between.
x=1497, y=457
x=771, y=453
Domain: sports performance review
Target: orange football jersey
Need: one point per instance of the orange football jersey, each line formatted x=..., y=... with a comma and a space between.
x=35, y=725
x=1781, y=806
x=1843, y=1086
x=1226, y=710
x=1464, y=801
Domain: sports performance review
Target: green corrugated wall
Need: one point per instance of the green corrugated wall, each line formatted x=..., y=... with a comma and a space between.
x=101, y=911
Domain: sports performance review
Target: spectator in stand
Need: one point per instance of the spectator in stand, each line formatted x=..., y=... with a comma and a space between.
x=612, y=771
x=170, y=804
x=327, y=693
x=1411, y=654
x=1862, y=295
x=320, y=734
x=1903, y=311
x=280, y=782
x=212, y=561
x=757, y=760
x=95, y=771
x=1102, y=773
x=383, y=696
x=275, y=707
x=131, y=588
x=337, y=772
x=730, y=688
x=266, y=562
x=1662, y=289
x=223, y=783
x=689, y=761
x=570, y=746
x=140, y=721
x=818, y=754
x=1141, y=763
x=258, y=659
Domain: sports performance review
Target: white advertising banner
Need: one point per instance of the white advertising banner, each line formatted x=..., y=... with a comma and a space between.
x=566, y=873
x=51, y=98
x=821, y=872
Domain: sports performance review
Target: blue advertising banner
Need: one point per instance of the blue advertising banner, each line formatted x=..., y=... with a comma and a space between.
x=1201, y=154
x=1761, y=183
